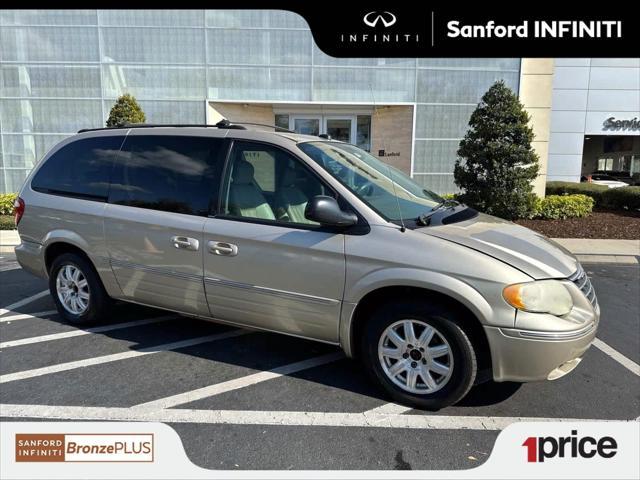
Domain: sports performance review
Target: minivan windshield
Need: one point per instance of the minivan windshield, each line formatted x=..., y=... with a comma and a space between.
x=387, y=190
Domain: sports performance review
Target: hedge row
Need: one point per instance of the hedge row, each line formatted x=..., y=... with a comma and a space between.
x=554, y=207
x=622, y=198
x=6, y=203
x=625, y=198
x=7, y=222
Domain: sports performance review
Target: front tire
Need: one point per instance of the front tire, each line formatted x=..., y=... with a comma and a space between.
x=77, y=290
x=419, y=353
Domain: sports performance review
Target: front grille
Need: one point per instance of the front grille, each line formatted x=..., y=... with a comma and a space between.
x=583, y=282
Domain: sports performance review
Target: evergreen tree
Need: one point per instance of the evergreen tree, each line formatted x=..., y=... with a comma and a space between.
x=125, y=110
x=496, y=163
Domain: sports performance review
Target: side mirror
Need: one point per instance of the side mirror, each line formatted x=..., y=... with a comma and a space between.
x=326, y=211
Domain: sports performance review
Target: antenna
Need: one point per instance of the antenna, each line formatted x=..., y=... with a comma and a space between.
x=403, y=228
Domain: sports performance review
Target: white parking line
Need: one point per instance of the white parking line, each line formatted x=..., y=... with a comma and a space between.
x=63, y=367
x=88, y=331
x=242, y=382
x=626, y=362
x=389, y=408
x=7, y=267
x=24, y=316
x=251, y=417
x=23, y=302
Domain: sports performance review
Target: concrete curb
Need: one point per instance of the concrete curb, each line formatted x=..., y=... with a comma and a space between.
x=8, y=240
x=617, y=259
x=588, y=246
x=625, y=252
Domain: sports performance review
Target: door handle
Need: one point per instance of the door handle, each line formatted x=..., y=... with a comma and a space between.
x=185, y=243
x=222, y=248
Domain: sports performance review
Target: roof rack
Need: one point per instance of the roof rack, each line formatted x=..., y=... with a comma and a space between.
x=275, y=127
x=221, y=124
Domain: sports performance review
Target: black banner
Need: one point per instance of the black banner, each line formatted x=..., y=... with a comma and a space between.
x=392, y=29
x=397, y=28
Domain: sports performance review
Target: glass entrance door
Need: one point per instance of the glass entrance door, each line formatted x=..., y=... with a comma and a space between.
x=338, y=127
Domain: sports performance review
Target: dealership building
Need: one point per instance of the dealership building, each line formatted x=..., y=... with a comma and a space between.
x=61, y=71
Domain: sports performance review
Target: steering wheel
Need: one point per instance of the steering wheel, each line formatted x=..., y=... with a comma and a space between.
x=366, y=189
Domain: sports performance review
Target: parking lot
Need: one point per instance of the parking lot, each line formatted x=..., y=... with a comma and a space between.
x=241, y=399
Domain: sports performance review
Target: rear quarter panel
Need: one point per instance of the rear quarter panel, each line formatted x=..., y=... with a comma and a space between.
x=49, y=219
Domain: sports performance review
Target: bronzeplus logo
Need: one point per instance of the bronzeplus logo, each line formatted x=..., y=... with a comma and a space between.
x=540, y=449
x=84, y=447
x=372, y=19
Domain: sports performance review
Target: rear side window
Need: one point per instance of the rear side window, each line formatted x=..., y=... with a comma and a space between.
x=168, y=173
x=81, y=169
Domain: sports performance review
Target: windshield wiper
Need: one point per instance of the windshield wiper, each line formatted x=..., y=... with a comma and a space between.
x=425, y=218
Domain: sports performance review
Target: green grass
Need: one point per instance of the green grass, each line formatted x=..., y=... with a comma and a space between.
x=7, y=222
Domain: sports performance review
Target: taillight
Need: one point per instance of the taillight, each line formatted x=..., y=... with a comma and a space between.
x=18, y=209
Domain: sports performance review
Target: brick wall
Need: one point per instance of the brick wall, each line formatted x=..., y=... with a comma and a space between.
x=392, y=131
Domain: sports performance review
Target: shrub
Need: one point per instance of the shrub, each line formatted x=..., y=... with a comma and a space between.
x=554, y=207
x=7, y=222
x=125, y=110
x=604, y=197
x=571, y=188
x=622, y=198
x=497, y=163
x=6, y=203
x=448, y=196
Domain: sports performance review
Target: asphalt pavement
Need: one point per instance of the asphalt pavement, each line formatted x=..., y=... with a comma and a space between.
x=241, y=399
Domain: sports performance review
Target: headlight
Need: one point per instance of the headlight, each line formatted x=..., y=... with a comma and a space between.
x=544, y=296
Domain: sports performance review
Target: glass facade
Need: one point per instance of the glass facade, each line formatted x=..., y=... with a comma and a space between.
x=61, y=71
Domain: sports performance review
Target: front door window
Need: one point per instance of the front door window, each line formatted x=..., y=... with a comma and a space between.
x=266, y=183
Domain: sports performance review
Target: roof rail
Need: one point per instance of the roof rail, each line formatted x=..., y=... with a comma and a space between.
x=221, y=124
x=275, y=127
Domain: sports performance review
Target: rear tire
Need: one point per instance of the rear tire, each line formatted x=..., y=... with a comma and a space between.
x=431, y=366
x=77, y=290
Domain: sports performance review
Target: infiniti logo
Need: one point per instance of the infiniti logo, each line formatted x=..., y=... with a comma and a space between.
x=379, y=19
x=373, y=18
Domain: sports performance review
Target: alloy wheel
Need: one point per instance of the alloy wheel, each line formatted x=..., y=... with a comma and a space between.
x=72, y=289
x=415, y=356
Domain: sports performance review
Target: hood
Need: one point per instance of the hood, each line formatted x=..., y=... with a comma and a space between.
x=524, y=249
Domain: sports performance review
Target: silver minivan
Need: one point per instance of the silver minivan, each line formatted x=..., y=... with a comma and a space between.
x=267, y=229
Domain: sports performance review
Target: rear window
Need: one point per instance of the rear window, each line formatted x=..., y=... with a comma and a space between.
x=167, y=173
x=81, y=168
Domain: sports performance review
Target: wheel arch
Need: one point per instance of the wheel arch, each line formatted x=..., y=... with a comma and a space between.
x=56, y=244
x=60, y=248
x=455, y=294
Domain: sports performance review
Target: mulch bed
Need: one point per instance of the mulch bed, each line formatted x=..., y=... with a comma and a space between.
x=623, y=225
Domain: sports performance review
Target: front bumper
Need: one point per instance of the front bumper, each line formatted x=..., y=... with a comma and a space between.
x=527, y=356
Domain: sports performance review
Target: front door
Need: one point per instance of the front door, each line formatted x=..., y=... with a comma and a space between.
x=338, y=127
x=265, y=265
x=159, y=199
